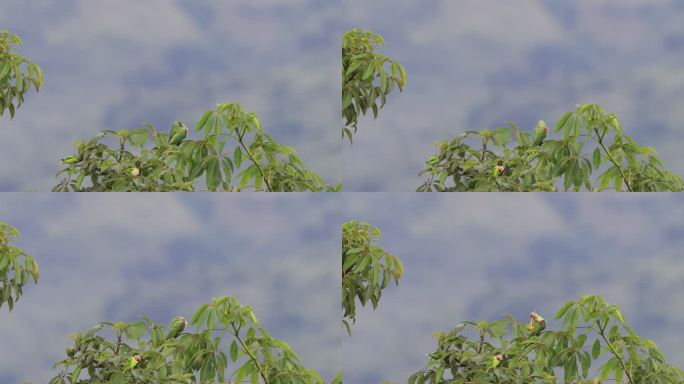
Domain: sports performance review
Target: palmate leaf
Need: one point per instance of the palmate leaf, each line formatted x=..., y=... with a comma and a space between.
x=233, y=154
x=592, y=141
x=223, y=329
x=508, y=352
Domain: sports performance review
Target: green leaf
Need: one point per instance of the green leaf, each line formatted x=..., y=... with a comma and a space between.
x=213, y=178
x=597, y=158
x=596, y=349
x=203, y=121
x=561, y=312
x=368, y=72
x=233, y=351
x=354, y=66
x=237, y=157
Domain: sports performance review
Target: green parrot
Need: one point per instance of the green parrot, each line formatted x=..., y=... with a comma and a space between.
x=178, y=133
x=498, y=170
x=537, y=324
x=496, y=361
x=71, y=159
x=134, y=361
x=177, y=326
x=540, y=132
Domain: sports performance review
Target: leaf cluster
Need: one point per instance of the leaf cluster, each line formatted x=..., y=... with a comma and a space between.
x=16, y=267
x=225, y=332
x=593, y=333
x=368, y=77
x=367, y=268
x=591, y=141
x=234, y=154
x=17, y=74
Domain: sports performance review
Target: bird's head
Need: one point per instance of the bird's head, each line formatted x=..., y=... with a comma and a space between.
x=181, y=320
x=137, y=358
x=541, y=124
x=179, y=124
x=536, y=317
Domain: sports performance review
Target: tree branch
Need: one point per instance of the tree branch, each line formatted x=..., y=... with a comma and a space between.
x=251, y=355
x=612, y=349
x=612, y=160
x=249, y=154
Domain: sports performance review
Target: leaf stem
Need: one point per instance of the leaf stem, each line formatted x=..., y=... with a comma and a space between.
x=118, y=342
x=482, y=340
x=249, y=154
x=612, y=349
x=612, y=160
x=251, y=355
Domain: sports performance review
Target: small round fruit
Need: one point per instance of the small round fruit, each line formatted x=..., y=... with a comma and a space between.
x=135, y=172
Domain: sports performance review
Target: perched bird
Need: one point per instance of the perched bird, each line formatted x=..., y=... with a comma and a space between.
x=496, y=361
x=71, y=159
x=135, y=172
x=134, y=361
x=537, y=324
x=177, y=326
x=540, y=132
x=178, y=133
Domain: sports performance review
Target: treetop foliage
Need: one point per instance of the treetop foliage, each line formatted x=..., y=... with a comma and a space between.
x=592, y=333
x=147, y=352
x=591, y=141
x=17, y=268
x=234, y=154
x=592, y=152
x=591, y=345
x=367, y=268
x=17, y=74
x=368, y=77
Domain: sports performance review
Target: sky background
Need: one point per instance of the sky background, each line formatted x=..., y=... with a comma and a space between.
x=474, y=64
x=116, y=257
x=113, y=64
x=483, y=255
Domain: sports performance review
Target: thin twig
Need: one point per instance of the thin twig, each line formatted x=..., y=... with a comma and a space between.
x=610, y=346
x=612, y=160
x=249, y=154
x=251, y=356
